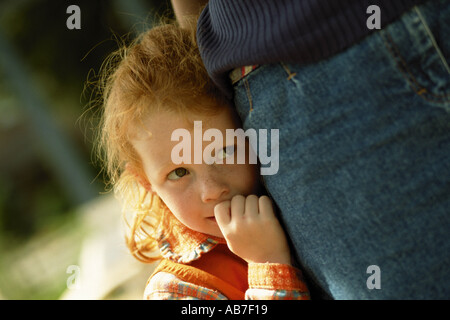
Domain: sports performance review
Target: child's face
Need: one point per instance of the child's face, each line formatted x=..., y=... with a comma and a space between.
x=191, y=191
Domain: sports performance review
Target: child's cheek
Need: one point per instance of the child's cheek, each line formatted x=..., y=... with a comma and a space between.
x=181, y=204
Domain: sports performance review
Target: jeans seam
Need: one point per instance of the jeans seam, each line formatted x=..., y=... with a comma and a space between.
x=291, y=75
x=432, y=38
x=402, y=66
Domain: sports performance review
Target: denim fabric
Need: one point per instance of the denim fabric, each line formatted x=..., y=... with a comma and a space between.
x=364, y=171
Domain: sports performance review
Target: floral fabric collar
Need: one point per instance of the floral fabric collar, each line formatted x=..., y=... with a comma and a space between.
x=180, y=243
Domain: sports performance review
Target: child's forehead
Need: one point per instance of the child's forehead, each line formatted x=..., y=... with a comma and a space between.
x=219, y=117
x=165, y=121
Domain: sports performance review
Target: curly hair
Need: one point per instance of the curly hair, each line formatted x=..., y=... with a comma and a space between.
x=160, y=70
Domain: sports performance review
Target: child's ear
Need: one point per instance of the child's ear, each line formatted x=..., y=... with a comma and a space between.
x=140, y=176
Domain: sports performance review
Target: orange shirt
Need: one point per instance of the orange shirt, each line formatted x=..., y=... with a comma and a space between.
x=200, y=266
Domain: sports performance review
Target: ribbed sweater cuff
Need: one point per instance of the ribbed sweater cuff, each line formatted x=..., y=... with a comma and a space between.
x=275, y=276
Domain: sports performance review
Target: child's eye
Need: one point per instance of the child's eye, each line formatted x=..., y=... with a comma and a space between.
x=226, y=152
x=177, y=174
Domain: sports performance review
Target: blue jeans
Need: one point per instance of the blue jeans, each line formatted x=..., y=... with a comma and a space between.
x=364, y=159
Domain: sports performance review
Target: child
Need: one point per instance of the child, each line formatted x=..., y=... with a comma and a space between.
x=217, y=236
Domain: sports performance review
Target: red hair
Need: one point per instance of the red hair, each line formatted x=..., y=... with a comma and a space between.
x=161, y=69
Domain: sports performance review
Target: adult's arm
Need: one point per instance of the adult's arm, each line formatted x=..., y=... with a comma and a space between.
x=187, y=8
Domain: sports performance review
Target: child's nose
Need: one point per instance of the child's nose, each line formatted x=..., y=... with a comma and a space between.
x=213, y=190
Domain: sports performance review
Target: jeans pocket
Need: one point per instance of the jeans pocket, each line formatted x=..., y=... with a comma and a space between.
x=417, y=44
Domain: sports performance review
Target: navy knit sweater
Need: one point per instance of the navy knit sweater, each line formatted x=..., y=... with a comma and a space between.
x=235, y=33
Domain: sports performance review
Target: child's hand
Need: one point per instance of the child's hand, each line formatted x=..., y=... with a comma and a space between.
x=252, y=230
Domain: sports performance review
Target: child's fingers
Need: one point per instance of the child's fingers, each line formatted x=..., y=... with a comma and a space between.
x=251, y=206
x=265, y=206
x=237, y=206
x=222, y=213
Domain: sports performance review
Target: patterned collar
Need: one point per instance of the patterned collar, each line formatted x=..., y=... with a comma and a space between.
x=179, y=243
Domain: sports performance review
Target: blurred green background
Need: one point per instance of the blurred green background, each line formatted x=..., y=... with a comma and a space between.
x=54, y=212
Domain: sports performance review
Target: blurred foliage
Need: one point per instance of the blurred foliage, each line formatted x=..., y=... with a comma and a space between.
x=60, y=63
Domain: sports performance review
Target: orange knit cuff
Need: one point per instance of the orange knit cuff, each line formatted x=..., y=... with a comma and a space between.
x=275, y=276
